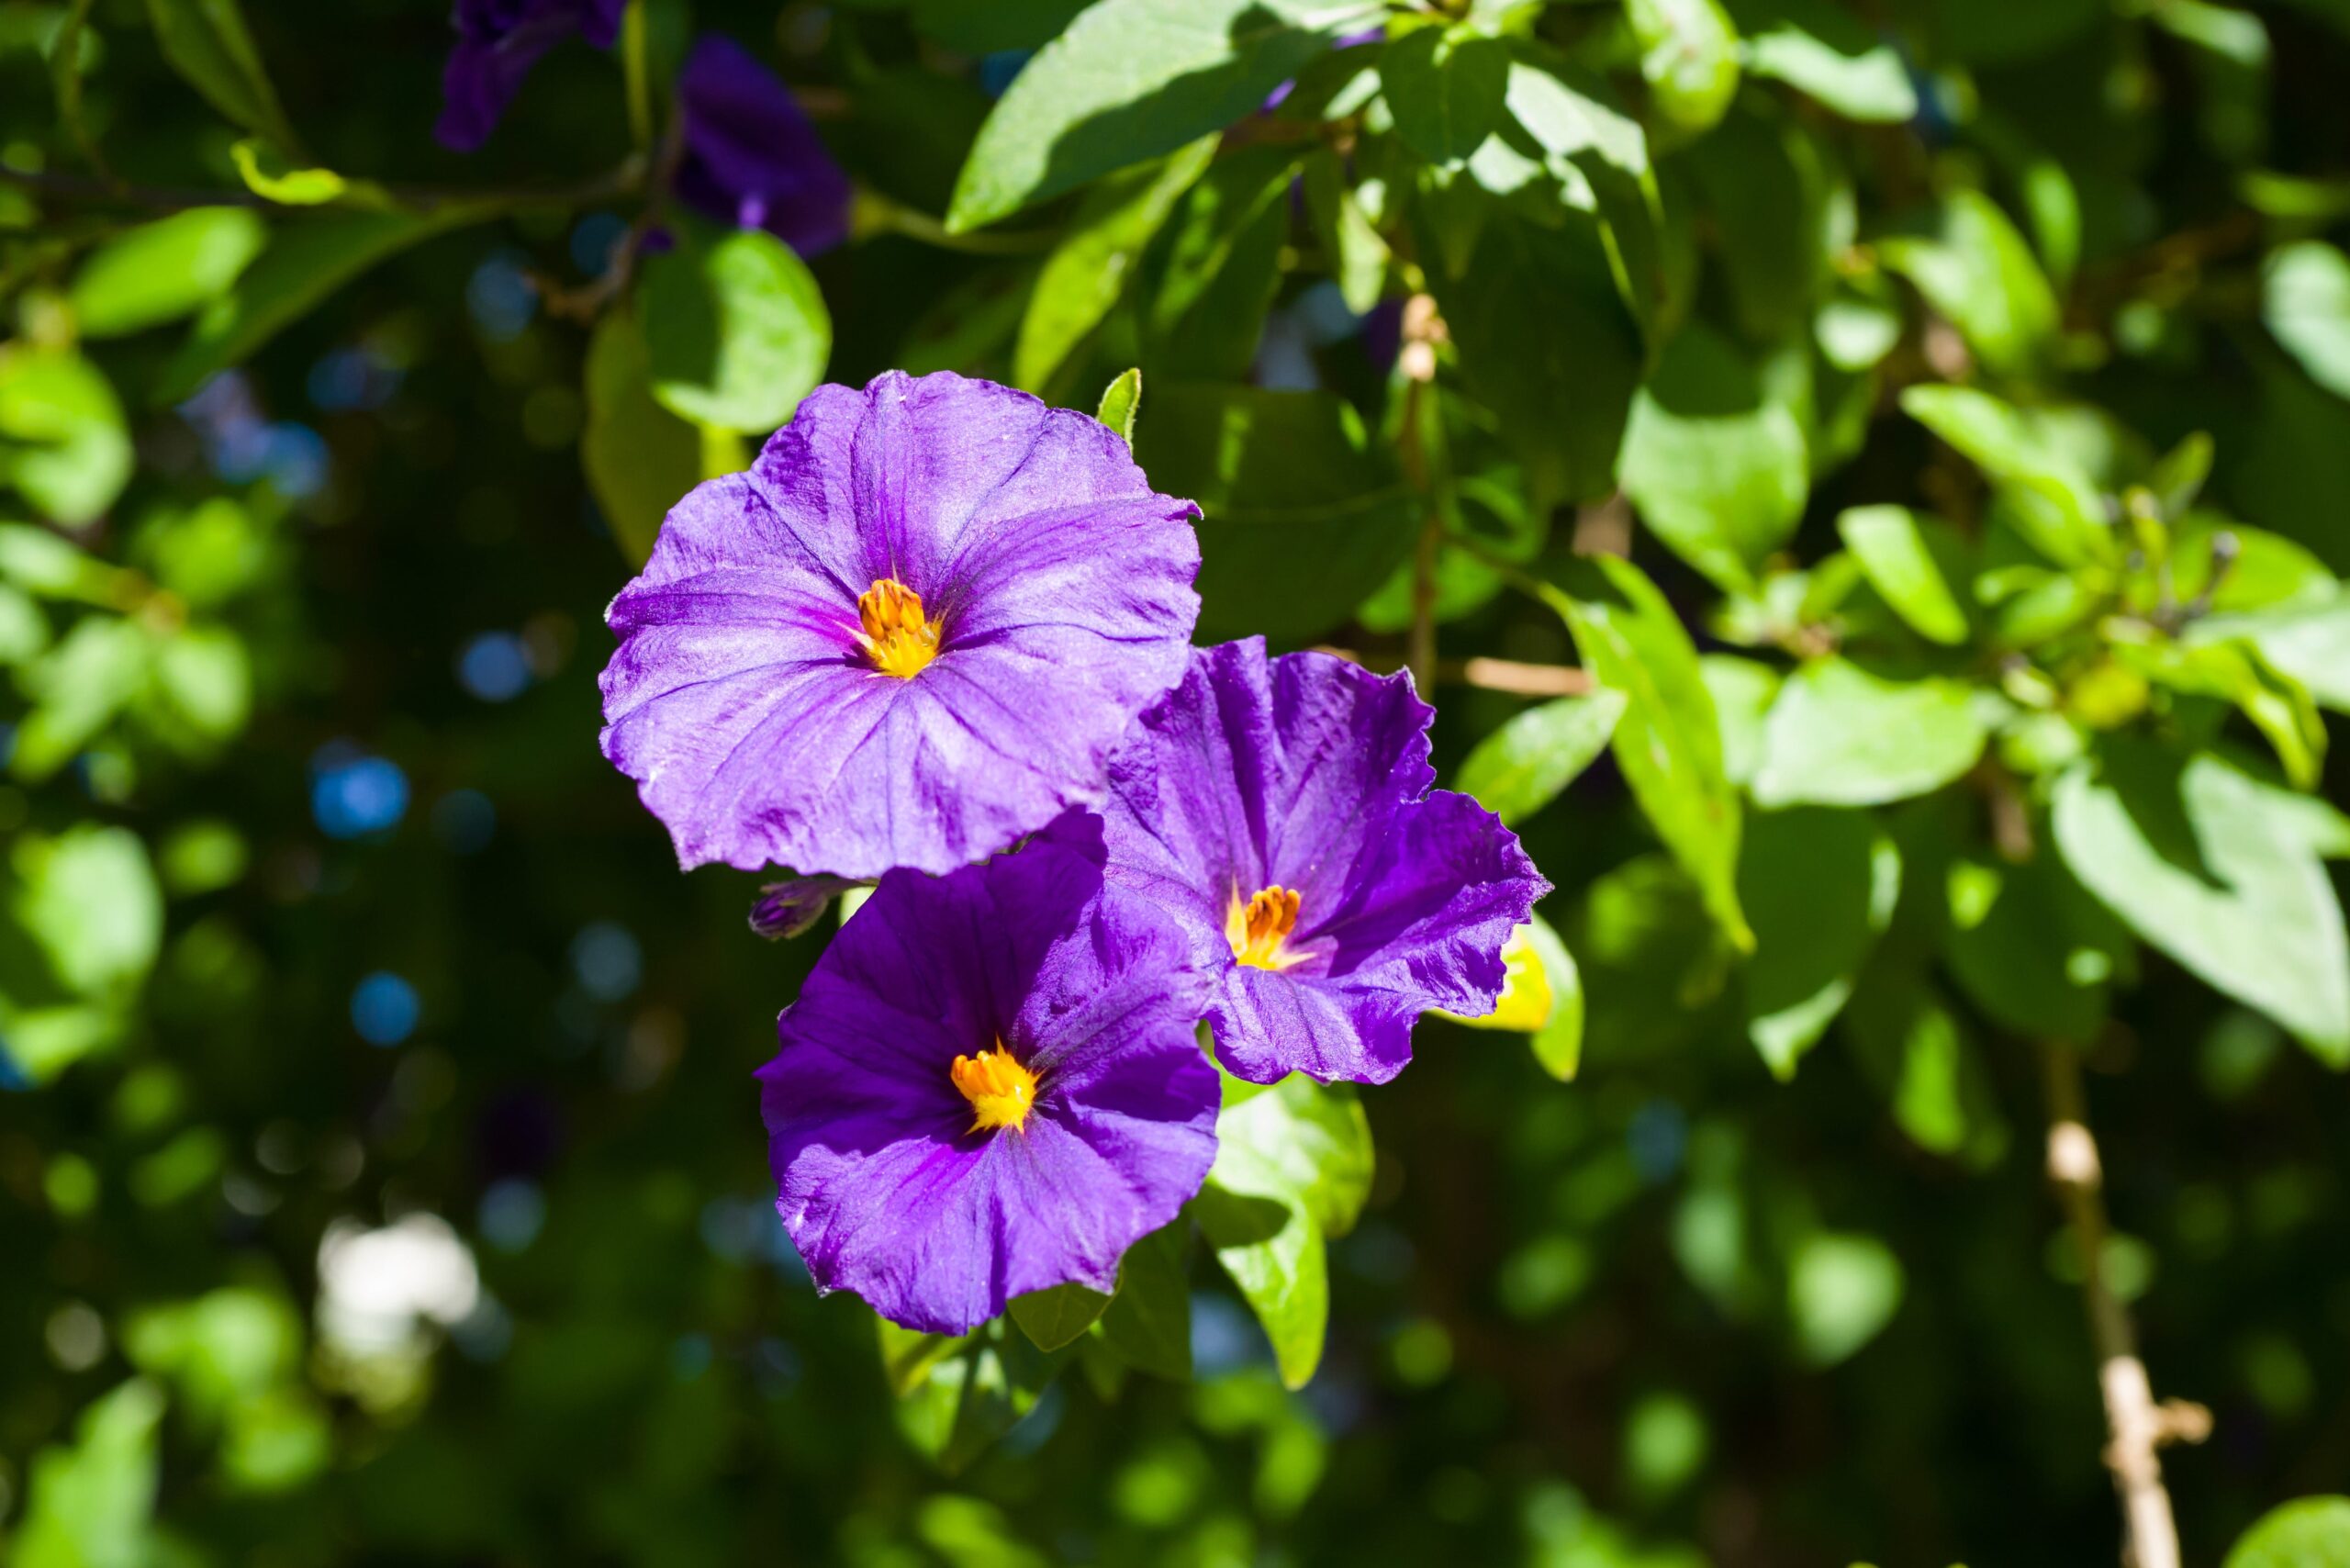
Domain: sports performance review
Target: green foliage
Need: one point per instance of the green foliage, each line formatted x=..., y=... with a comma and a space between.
x=1923, y=423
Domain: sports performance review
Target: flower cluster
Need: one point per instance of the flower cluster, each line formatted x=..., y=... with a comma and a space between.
x=939, y=635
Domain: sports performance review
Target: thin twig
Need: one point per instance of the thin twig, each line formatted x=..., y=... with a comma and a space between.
x=1516, y=679
x=2137, y=1427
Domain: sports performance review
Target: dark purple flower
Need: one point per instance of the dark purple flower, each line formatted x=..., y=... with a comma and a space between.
x=990, y=1084
x=498, y=42
x=1280, y=809
x=909, y=636
x=751, y=158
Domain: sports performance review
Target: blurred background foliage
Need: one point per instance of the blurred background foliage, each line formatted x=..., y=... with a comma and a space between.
x=1868, y=480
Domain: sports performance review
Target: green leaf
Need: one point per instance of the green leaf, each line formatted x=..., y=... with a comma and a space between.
x=220, y=1349
x=2031, y=949
x=1304, y=516
x=62, y=443
x=2305, y=300
x=737, y=331
x=2234, y=671
x=1819, y=886
x=1689, y=56
x=1297, y=1142
x=1667, y=743
x=1768, y=189
x=1912, y=562
x=1098, y=256
x=1599, y=157
x=88, y=1506
x=1293, y=1167
x=1444, y=86
x=1055, y=1318
x=1546, y=344
x=958, y=1398
x=1717, y=469
x=1838, y=735
x=1357, y=254
x=269, y=174
x=2308, y=643
x=1558, y=1044
x=2056, y=505
x=77, y=687
x=204, y=681
x=1841, y=1291
x=207, y=43
x=1829, y=55
x=308, y=260
x=2308, y=1532
x=1121, y=403
x=1222, y=268
x=1148, y=1322
x=1977, y=270
x=88, y=900
x=163, y=269
x=1742, y=691
x=641, y=459
x=2221, y=872
x=1523, y=765
x=1130, y=80
x=1278, y=1259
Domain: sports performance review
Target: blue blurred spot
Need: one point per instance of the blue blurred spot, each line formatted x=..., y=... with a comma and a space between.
x=1322, y=314
x=465, y=820
x=294, y=459
x=12, y=1078
x=501, y=299
x=593, y=240
x=997, y=70
x=512, y=1212
x=352, y=794
x=1224, y=1337
x=495, y=667
x=7, y=743
x=1657, y=1136
x=385, y=1009
x=353, y=379
x=607, y=961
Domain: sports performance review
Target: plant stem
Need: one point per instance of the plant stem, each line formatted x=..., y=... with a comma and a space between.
x=635, y=76
x=2137, y=1427
x=1512, y=676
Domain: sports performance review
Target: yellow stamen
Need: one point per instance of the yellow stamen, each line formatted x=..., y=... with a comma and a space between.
x=1256, y=929
x=897, y=638
x=1000, y=1089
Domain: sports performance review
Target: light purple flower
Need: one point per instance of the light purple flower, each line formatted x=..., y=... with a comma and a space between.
x=909, y=636
x=498, y=42
x=1280, y=809
x=990, y=1084
x=751, y=158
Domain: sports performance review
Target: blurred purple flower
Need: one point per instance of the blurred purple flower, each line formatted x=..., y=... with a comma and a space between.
x=751, y=158
x=792, y=907
x=1279, y=809
x=498, y=42
x=909, y=636
x=989, y=1085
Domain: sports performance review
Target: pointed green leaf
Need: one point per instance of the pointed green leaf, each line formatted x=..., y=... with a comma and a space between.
x=1444, y=86
x=1916, y=564
x=1121, y=403
x=737, y=331
x=1840, y=736
x=1523, y=765
x=2223, y=873
x=207, y=43
x=159, y=271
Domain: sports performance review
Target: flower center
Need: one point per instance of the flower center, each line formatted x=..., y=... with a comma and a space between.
x=1000, y=1091
x=897, y=638
x=1256, y=929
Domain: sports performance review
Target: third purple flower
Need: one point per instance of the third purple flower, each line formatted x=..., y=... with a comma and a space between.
x=1280, y=809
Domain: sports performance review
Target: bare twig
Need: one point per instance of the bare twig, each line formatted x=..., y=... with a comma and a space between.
x=1485, y=675
x=2137, y=1427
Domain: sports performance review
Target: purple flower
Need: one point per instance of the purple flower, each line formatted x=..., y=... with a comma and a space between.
x=498, y=42
x=989, y=1085
x=751, y=158
x=909, y=636
x=1280, y=809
